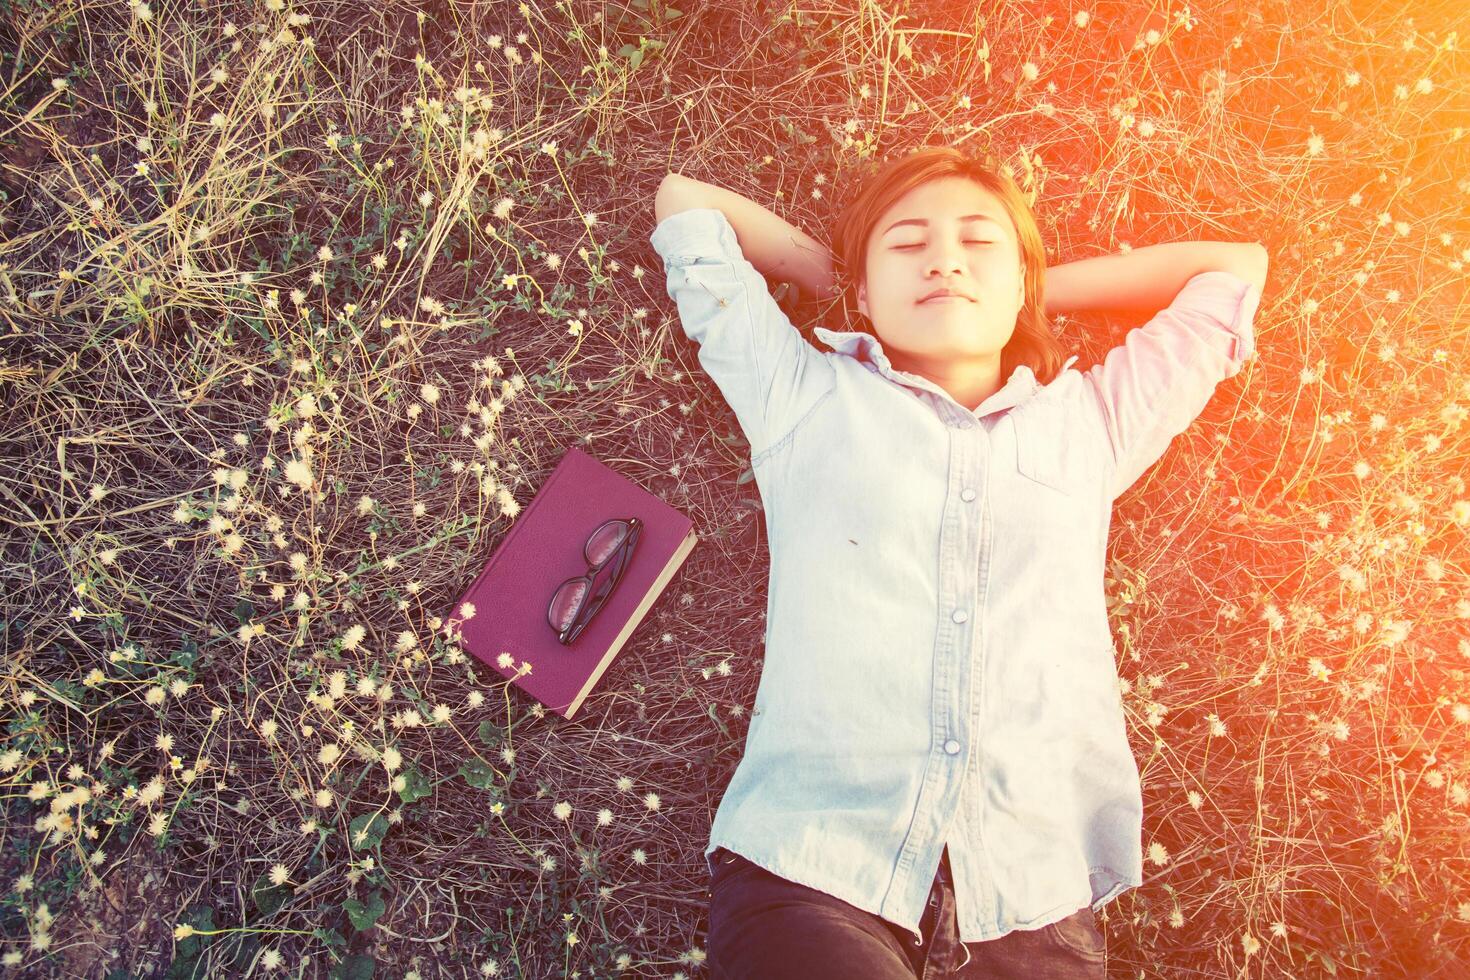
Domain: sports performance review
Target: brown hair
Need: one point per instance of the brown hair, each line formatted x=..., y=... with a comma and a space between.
x=1032, y=342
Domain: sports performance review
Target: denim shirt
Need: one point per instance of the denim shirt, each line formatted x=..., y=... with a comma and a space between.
x=939, y=667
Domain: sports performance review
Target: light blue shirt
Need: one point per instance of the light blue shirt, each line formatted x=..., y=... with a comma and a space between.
x=939, y=666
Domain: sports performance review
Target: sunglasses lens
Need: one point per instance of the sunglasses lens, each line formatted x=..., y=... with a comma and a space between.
x=565, y=604
x=605, y=541
x=606, y=585
x=577, y=599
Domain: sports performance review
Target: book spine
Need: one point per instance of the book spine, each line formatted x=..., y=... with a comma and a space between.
x=654, y=591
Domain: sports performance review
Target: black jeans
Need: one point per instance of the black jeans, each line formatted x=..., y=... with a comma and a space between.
x=763, y=926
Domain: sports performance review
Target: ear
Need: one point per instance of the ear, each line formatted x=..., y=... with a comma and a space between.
x=862, y=299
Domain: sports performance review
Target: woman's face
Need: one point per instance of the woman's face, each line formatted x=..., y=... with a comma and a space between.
x=929, y=239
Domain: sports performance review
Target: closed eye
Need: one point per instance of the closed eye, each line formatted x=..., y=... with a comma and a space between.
x=900, y=248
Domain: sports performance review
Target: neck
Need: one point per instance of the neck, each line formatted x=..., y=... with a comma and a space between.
x=968, y=381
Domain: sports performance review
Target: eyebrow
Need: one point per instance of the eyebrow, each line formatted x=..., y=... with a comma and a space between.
x=923, y=223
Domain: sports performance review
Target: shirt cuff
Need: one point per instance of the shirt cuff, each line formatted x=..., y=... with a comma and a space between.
x=694, y=233
x=1231, y=301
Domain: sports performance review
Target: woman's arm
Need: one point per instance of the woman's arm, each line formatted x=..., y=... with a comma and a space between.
x=1148, y=278
x=773, y=245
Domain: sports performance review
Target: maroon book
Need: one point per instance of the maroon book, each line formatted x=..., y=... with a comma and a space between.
x=509, y=627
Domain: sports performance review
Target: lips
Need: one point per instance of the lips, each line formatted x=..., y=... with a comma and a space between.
x=939, y=293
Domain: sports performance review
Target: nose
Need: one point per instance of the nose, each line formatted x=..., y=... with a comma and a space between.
x=945, y=261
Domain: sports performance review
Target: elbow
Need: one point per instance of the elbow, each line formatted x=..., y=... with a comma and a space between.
x=1261, y=263
x=1253, y=264
x=678, y=193
x=662, y=200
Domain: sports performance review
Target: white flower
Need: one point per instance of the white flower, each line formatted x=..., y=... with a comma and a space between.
x=299, y=473
x=152, y=792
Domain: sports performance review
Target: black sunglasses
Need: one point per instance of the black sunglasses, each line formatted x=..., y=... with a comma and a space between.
x=575, y=602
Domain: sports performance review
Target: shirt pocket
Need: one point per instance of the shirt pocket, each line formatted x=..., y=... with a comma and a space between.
x=728, y=865
x=1048, y=449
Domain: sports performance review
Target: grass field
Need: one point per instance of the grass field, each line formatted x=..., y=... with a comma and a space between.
x=301, y=301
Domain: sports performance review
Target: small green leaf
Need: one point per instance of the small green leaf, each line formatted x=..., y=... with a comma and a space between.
x=330, y=937
x=415, y=786
x=478, y=774
x=267, y=897
x=358, y=966
x=188, y=950
x=364, y=914
x=366, y=831
x=188, y=650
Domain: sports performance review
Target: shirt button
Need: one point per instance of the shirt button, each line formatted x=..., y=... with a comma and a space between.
x=959, y=616
x=951, y=746
x=967, y=494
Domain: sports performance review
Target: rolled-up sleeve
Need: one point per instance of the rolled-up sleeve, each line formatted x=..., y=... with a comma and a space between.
x=1156, y=383
x=769, y=374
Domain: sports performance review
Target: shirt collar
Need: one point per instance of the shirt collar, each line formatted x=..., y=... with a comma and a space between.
x=867, y=350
